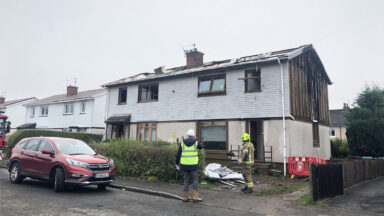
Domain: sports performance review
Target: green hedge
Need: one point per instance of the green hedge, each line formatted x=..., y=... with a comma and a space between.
x=21, y=134
x=145, y=160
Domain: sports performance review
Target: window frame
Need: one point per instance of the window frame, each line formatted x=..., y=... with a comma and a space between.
x=32, y=112
x=37, y=145
x=199, y=126
x=82, y=111
x=315, y=134
x=212, y=78
x=150, y=128
x=119, y=99
x=71, y=108
x=43, y=111
x=140, y=87
x=246, y=78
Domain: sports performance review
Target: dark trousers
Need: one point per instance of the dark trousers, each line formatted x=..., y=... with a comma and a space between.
x=188, y=175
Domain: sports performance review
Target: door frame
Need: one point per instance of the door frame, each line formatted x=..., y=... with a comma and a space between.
x=247, y=130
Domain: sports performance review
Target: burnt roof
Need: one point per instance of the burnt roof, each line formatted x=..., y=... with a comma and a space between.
x=83, y=95
x=209, y=66
x=338, y=117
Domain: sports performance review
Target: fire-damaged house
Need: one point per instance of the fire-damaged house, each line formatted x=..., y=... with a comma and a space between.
x=223, y=99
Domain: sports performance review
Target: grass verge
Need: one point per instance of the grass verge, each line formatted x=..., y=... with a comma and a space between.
x=306, y=200
x=281, y=188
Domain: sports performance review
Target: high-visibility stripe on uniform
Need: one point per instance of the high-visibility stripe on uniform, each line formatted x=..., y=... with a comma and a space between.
x=189, y=155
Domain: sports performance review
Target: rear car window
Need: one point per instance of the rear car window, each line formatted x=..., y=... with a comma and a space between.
x=32, y=145
x=23, y=144
x=45, y=144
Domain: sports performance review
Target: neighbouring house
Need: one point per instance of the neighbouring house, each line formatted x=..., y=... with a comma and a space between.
x=339, y=122
x=223, y=99
x=74, y=111
x=15, y=110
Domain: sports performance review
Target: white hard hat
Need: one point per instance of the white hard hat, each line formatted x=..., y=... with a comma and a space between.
x=191, y=132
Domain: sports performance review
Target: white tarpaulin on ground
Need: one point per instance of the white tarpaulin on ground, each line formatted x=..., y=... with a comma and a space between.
x=217, y=172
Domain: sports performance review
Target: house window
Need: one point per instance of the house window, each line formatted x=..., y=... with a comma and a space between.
x=252, y=80
x=315, y=132
x=212, y=85
x=213, y=134
x=44, y=111
x=83, y=105
x=68, y=108
x=32, y=112
x=147, y=131
x=332, y=133
x=123, y=95
x=149, y=92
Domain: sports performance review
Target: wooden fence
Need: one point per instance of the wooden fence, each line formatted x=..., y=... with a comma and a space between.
x=331, y=180
x=361, y=170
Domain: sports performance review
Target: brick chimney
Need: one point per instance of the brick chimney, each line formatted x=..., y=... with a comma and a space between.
x=2, y=99
x=71, y=90
x=194, y=58
x=345, y=106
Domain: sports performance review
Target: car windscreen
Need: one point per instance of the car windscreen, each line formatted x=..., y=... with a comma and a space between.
x=73, y=147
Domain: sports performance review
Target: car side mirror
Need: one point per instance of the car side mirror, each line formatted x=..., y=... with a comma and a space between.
x=47, y=151
x=8, y=127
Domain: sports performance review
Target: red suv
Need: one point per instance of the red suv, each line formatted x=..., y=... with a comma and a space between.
x=61, y=161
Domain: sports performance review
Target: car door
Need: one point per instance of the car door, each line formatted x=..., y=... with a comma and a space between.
x=43, y=162
x=29, y=155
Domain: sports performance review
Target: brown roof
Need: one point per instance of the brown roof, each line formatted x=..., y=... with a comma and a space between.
x=7, y=103
x=183, y=70
x=63, y=97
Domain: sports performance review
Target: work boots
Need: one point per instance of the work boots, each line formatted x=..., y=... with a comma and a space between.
x=249, y=190
x=244, y=188
x=186, y=198
x=196, y=197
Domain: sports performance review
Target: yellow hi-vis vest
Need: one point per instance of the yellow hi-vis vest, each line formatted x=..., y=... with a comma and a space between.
x=189, y=155
x=248, y=148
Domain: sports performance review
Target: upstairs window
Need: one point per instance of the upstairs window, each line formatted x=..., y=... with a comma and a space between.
x=32, y=112
x=123, y=95
x=252, y=80
x=69, y=108
x=149, y=93
x=212, y=85
x=83, y=106
x=44, y=111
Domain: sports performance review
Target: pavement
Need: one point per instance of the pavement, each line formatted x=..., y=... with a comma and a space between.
x=364, y=199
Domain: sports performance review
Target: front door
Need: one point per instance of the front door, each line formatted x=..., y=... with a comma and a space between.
x=256, y=133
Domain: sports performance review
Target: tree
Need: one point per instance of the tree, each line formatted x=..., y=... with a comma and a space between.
x=365, y=127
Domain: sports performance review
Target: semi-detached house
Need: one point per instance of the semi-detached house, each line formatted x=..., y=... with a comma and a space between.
x=223, y=99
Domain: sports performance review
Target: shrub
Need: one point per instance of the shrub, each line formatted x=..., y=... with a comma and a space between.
x=145, y=160
x=21, y=134
x=339, y=148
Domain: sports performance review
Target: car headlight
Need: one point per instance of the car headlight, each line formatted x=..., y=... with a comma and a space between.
x=77, y=163
x=110, y=162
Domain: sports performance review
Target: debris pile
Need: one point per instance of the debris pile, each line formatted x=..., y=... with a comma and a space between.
x=215, y=171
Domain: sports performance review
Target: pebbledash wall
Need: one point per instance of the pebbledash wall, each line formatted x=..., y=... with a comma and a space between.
x=179, y=108
x=92, y=120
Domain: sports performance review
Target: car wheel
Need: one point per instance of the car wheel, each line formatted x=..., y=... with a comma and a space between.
x=102, y=186
x=14, y=174
x=58, y=184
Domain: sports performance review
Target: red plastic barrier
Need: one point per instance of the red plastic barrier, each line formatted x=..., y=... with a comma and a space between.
x=300, y=165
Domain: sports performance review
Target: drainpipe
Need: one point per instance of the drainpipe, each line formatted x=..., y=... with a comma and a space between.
x=283, y=113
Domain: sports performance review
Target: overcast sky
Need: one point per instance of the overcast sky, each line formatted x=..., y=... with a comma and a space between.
x=45, y=43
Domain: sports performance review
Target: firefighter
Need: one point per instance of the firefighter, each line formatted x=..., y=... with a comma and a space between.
x=247, y=159
x=187, y=160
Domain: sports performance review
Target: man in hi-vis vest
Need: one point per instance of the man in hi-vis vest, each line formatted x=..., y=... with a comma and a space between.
x=247, y=158
x=187, y=160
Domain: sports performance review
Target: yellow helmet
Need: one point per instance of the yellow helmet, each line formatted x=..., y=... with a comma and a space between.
x=245, y=137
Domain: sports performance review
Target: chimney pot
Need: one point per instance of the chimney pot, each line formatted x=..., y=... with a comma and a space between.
x=71, y=90
x=345, y=106
x=194, y=58
x=2, y=100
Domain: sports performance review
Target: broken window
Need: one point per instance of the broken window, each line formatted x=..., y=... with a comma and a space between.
x=149, y=92
x=212, y=85
x=146, y=131
x=252, y=80
x=123, y=95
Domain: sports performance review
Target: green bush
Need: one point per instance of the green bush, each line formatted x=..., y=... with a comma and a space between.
x=21, y=134
x=145, y=160
x=339, y=148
